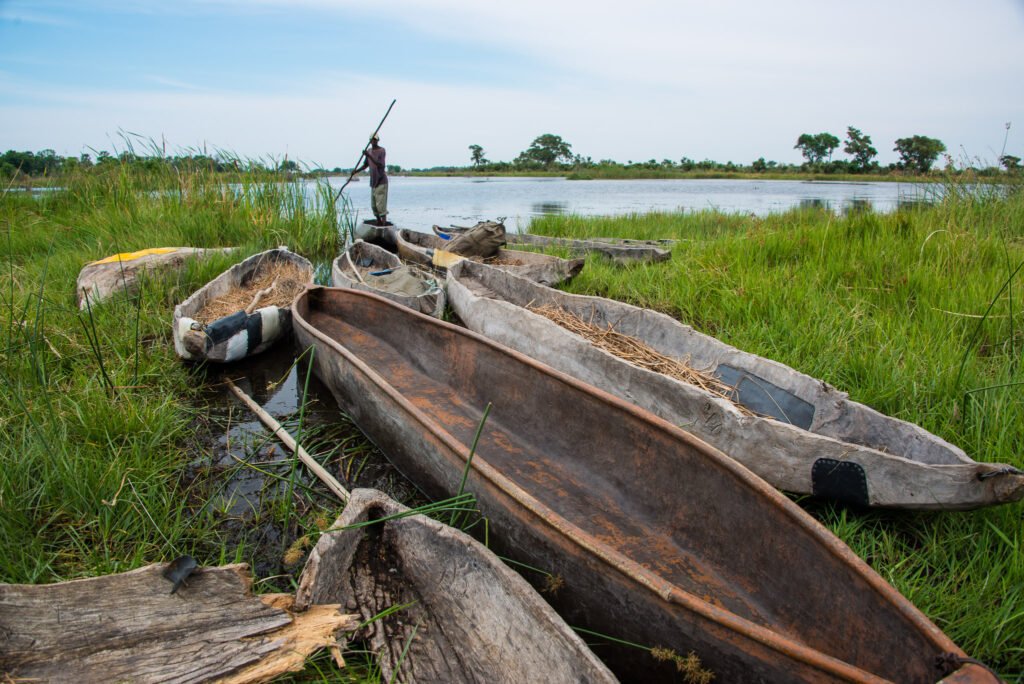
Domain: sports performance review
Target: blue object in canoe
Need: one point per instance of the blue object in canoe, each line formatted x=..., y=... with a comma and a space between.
x=380, y=273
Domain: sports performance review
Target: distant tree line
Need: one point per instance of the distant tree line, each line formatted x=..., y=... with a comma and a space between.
x=547, y=153
x=47, y=163
x=917, y=154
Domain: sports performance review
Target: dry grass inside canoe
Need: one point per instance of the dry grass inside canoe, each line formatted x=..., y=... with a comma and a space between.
x=636, y=352
x=287, y=279
x=502, y=261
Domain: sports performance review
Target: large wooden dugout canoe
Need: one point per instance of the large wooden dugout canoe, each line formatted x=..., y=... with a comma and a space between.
x=429, y=250
x=619, y=250
x=467, y=617
x=661, y=539
x=809, y=438
x=241, y=334
x=377, y=270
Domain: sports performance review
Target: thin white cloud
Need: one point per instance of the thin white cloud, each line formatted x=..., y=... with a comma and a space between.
x=642, y=80
x=173, y=83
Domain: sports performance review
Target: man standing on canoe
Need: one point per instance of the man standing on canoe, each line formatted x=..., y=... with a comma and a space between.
x=378, y=180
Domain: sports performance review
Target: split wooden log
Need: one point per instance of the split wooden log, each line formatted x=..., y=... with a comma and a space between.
x=129, y=627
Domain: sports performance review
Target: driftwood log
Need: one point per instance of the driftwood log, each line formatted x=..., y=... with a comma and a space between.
x=463, y=615
x=129, y=627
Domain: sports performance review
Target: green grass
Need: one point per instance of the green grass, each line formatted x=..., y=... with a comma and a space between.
x=890, y=308
x=95, y=408
x=98, y=417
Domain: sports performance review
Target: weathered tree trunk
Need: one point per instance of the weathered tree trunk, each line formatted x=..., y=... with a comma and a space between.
x=129, y=627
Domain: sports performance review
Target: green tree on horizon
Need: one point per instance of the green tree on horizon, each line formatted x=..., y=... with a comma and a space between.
x=477, y=155
x=859, y=147
x=919, y=152
x=816, y=147
x=547, y=149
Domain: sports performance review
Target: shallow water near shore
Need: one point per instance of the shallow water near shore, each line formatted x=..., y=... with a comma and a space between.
x=240, y=472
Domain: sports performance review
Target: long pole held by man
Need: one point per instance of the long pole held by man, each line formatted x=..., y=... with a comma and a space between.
x=356, y=169
x=374, y=159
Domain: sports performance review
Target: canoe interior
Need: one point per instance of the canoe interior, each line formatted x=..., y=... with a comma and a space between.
x=240, y=275
x=650, y=492
x=467, y=616
x=368, y=258
x=765, y=386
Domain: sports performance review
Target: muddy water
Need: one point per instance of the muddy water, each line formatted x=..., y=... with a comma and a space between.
x=232, y=479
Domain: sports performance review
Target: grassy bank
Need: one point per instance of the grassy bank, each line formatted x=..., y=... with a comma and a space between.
x=98, y=416
x=892, y=309
x=95, y=408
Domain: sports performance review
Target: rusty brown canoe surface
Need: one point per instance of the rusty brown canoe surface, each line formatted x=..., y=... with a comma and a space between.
x=808, y=438
x=660, y=539
x=429, y=250
x=619, y=250
x=467, y=617
x=377, y=267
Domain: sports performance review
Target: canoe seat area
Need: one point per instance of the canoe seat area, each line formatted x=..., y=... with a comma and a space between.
x=550, y=480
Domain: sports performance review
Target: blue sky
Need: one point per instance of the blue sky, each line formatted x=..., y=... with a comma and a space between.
x=627, y=81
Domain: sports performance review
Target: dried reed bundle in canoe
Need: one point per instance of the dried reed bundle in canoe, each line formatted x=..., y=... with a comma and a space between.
x=287, y=279
x=636, y=352
x=501, y=261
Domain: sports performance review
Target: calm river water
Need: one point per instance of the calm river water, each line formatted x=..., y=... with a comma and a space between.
x=419, y=203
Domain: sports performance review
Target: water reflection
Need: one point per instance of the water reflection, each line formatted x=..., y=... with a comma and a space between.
x=814, y=203
x=549, y=208
x=856, y=206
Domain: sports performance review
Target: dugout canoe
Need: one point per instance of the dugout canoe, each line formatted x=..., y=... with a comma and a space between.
x=240, y=334
x=382, y=272
x=120, y=273
x=467, y=616
x=429, y=250
x=661, y=539
x=619, y=250
x=808, y=436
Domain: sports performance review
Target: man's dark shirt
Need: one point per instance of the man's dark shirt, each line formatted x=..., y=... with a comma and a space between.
x=377, y=168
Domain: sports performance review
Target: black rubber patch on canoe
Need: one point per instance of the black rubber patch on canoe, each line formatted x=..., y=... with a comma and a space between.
x=254, y=323
x=840, y=480
x=223, y=328
x=761, y=396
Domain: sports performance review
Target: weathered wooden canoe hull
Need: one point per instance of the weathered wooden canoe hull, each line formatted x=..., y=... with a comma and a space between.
x=661, y=539
x=430, y=303
x=834, y=457
x=120, y=273
x=619, y=250
x=420, y=248
x=469, y=617
x=273, y=324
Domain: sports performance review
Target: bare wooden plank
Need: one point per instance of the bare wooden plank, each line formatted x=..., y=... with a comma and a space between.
x=129, y=627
